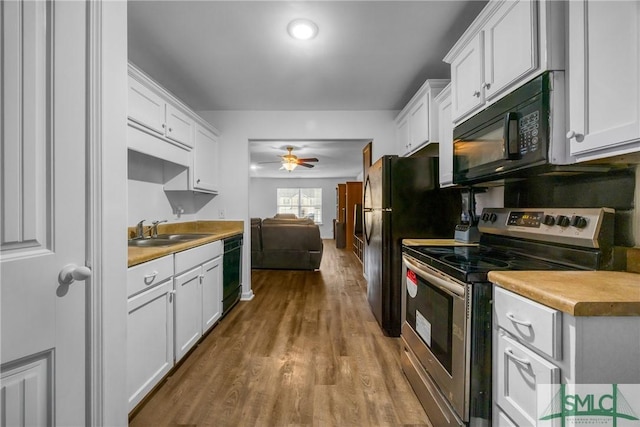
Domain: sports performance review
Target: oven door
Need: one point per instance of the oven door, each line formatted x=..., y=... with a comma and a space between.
x=436, y=329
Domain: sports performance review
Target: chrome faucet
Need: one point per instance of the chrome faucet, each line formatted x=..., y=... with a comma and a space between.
x=140, y=230
x=154, y=228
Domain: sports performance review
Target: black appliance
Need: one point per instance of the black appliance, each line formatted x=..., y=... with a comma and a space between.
x=231, y=272
x=401, y=199
x=519, y=135
x=447, y=333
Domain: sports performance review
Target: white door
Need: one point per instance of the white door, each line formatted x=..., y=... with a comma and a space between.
x=42, y=213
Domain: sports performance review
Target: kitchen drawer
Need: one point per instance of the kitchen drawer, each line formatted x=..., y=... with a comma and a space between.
x=533, y=324
x=518, y=372
x=149, y=274
x=196, y=256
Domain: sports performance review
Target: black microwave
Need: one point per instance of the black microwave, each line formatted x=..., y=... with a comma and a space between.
x=519, y=135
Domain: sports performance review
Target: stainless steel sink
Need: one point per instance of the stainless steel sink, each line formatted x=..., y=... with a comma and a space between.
x=147, y=243
x=182, y=237
x=166, y=239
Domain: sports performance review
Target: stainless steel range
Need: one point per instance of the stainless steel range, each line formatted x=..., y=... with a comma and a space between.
x=446, y=333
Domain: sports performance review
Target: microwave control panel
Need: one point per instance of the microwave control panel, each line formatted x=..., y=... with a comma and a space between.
x=529, y=128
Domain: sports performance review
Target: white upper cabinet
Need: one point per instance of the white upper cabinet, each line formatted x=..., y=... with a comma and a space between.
x=417, y=123
x=445, y=138
x=205, y=173
x=508, y=44
x=604, y=82
x=154, y=109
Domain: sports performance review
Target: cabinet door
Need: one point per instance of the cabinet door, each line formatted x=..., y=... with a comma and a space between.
x=146, y=107
x=205, y=163
x=419, y=122
x=149, y=340
x=445, y=139
x=604, y=102
x=211, y=292
x=518, y=372
x=188, y=311
x=510, y=45
x=402, y=136
x=467, y=76
x=179, y=126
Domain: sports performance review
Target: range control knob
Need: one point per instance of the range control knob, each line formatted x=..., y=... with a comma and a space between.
x=493, y=217
x=578, y=221
x=563, y=221
x=485, y=217
x=549, y=220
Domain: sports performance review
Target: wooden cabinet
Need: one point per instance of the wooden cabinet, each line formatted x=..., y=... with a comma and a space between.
x=507, y=44
x=205, y=160
x=341, y=202
x=149, y=107
x=353, y=201
x=536, y=347
x=417, y=123
x=604, y=88
x=198, y=289
x=149, y=326
x=445, y=137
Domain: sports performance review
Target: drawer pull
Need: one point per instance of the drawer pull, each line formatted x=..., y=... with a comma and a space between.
x=521, y=361
x=151, y=275
x=514, y=319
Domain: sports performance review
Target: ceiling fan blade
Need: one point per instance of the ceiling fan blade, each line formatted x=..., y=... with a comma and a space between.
x=306, y=165
x=311, y=159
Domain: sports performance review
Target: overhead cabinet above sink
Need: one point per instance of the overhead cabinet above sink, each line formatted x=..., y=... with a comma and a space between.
x=162, y=126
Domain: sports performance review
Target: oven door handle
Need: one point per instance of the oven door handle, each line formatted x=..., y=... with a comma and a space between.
x=433, y=279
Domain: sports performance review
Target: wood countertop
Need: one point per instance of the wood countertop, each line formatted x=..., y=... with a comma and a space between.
x=578, y=293
x=217, y=229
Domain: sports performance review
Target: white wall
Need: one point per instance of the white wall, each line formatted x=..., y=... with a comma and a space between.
x=238, y=127
x=262, y=197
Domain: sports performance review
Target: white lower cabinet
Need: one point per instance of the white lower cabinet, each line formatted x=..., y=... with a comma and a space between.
x=198, y=286
x=168, y=314
x=535, y=346
x=149, y=326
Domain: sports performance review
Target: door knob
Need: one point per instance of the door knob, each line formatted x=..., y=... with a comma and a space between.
x=72, y=272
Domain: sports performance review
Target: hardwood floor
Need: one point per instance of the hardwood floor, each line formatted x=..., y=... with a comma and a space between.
x=305, y=351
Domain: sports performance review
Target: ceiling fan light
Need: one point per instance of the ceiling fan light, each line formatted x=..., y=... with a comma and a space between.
x=289, y=165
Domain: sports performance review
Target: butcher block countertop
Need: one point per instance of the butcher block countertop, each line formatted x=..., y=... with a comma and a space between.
x=217, y=229
x=578, y=293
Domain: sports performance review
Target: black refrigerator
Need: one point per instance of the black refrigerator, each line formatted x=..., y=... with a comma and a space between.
x=402, y=199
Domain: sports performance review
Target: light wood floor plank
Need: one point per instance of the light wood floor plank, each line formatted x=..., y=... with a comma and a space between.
x=306, y=351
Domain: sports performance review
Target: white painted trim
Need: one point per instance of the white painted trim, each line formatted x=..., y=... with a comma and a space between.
x=94, y=197
x=247, y=296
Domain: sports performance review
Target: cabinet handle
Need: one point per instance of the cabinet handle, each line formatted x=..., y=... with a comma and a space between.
x=476, y=94
x=486, y=85
x=198, y=181
x=514, y=319
x=164, y=126
x=151, y=275
x=521, y=361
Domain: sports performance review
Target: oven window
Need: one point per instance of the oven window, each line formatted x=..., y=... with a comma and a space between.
x=482, y=149
x=430, y=314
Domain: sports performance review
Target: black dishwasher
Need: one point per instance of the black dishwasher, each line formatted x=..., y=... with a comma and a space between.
x=231, y=272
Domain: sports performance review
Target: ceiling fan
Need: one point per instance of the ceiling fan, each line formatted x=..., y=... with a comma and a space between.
x=291, y=161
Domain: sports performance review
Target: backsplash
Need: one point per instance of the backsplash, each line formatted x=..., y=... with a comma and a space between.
x=615, y=190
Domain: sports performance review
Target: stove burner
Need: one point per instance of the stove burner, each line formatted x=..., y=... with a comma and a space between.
x=476, y=262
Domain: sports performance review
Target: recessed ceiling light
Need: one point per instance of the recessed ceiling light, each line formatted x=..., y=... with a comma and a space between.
x=302, y=29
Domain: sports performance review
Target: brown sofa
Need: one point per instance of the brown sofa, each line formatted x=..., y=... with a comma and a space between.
x=287, y=243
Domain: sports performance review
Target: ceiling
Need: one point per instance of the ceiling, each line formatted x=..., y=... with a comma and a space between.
x=237, y=55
